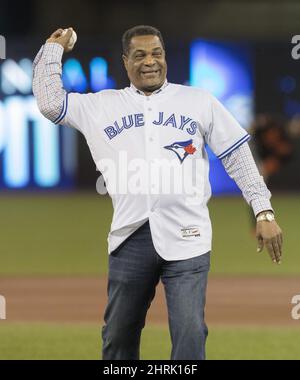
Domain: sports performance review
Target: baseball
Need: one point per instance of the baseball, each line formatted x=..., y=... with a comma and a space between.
x=73, y=39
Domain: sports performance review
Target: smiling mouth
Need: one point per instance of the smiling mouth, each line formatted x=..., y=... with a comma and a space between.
x=149, y=73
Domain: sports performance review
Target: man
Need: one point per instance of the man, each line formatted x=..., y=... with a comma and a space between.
x=156, y=235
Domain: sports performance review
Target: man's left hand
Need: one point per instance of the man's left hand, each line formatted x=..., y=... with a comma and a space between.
x=269, y=234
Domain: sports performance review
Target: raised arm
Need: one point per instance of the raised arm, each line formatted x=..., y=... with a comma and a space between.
x=47, y=69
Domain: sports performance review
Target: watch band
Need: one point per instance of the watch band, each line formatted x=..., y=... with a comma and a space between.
x=267, y=216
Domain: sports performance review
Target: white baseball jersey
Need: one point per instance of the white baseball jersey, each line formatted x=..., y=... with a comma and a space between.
x=131, y=135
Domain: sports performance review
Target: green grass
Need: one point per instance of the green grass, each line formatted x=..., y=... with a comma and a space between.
x=67, y=234
x=50, y=341
x=234, y=245
x=254, y=343
x=54, y=234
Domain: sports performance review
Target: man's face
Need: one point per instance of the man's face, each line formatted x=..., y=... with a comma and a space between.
x=145, y=63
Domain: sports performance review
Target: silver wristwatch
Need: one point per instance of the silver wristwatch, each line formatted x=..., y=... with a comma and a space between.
x=268, y=216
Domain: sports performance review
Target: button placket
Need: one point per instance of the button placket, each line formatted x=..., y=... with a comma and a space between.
x=147, y=121
x=152, y=145
x=153, y=150
x=152, y=131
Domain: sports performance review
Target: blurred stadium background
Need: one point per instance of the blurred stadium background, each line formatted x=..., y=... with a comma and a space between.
x=54, y=225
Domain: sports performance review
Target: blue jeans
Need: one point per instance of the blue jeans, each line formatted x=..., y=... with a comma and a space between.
x=134, y=271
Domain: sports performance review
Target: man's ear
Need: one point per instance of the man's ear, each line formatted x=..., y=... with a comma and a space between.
x=125, y=60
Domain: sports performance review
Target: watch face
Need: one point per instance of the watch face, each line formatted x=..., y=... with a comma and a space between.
x=270, y=217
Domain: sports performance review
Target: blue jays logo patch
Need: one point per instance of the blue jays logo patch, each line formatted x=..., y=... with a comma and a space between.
x=182, y=149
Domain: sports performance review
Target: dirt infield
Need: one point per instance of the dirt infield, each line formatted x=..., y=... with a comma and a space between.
x=230, y=300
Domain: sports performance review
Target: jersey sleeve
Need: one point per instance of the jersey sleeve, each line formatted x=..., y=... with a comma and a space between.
x=223, y=133
x=78, y=110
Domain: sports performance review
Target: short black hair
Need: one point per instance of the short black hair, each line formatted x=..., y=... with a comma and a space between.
x=139, y=30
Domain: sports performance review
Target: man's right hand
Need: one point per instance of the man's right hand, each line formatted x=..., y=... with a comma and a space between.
x=63, y=40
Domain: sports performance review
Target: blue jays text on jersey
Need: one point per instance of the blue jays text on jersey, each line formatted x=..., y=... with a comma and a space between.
x=137, y=120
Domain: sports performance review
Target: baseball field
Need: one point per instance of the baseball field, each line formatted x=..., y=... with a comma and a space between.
x=53, y=274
